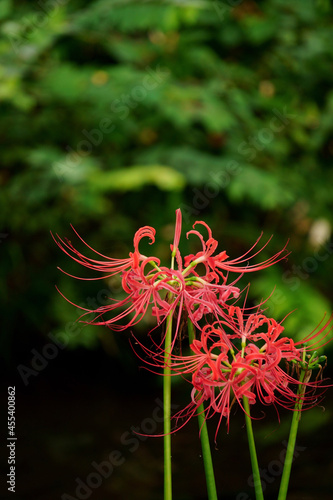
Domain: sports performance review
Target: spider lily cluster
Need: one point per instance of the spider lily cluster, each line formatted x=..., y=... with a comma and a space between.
x=237, y=351
x=225, y=368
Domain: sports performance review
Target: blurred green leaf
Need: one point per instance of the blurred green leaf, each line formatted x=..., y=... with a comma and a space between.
x=5, y=8
x=136, y=177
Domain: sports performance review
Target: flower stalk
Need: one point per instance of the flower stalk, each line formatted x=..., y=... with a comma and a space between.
x=291, y=441
x=167, y=411
x=253, y=453
x=204, y=438
x=305, y=372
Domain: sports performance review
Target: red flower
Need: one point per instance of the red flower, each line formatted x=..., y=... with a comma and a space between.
x=149, y=285
x=222, y=374
x=109, y=265
x=241, y=354
x=163, y=290
x=216, y=264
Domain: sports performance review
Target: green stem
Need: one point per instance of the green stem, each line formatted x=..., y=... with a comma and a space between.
x=206, y=454
x=253, y=453
x=167, y=412
x=292, y=440
x=204, y=438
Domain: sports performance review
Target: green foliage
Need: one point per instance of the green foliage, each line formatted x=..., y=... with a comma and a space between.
x=114, y=113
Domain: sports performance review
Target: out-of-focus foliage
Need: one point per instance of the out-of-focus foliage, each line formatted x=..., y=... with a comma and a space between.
x=114, y=113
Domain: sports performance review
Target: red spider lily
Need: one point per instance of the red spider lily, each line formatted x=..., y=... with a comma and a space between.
x=109, y=265
x=243, y=325
x=142, y=291
x=257, y=327
x=216, y=264
x=222, y=375
x=239, y=355
x=165, y=290
x=162, y=290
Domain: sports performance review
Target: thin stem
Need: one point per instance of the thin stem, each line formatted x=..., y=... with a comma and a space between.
x=204, y=438
x=292, y=439
x=167, y=398
x=167, y=412
x=207, y=456
x=253, y=453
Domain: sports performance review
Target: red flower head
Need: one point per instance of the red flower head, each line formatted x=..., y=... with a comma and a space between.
x=222, y=373
x=241, y=354
x=216, y=264
x=109, y=265
x=160, y=289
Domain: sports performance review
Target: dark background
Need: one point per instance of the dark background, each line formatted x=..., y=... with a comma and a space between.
x=114, y=114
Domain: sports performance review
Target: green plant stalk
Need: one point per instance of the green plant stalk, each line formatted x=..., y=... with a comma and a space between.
x=292, y=440
x=206, y=454
x=167, y=411
x=253, y=453
x=204, y=438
